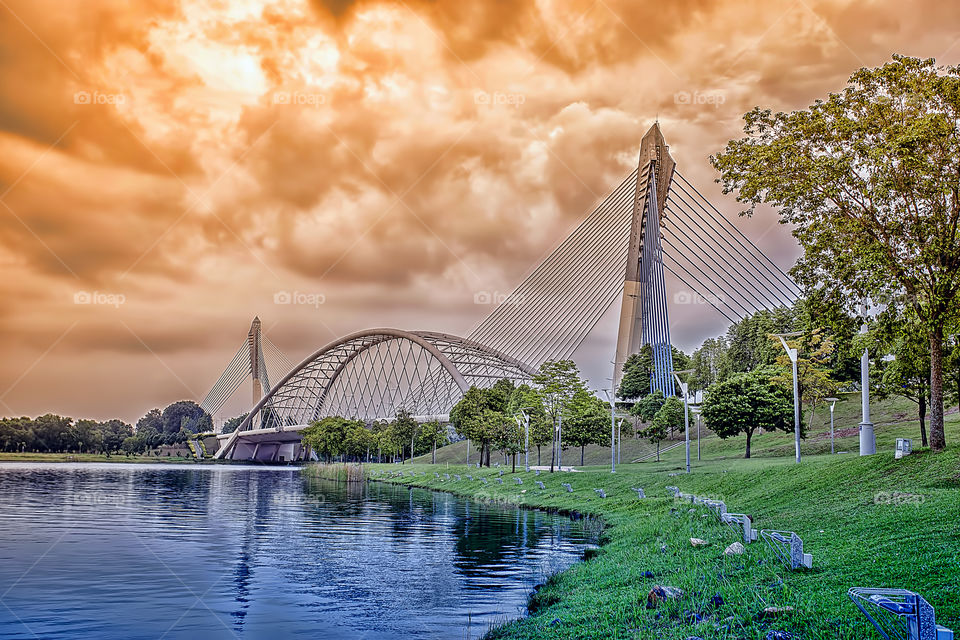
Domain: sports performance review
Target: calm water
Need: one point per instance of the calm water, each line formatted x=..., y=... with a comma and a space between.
x=132, y=551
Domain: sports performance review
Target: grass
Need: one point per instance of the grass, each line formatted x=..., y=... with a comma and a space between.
x=845, y=508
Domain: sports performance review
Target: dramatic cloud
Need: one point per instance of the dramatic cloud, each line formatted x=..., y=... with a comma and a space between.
x=167, y=168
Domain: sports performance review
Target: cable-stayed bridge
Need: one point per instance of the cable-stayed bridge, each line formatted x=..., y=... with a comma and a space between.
x=650, y=223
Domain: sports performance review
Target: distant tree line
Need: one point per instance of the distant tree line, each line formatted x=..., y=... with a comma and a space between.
x=52, y=433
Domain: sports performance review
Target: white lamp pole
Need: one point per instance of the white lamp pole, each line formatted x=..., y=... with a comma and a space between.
x=792, y=353
x=686, y=411
x=833, y=405
x=868, y=440
x=526, y=438
x=695, y=409
x=613, y=433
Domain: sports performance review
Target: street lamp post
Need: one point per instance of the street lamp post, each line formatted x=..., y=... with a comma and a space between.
x=686, y=411
x=792, y=354
x=695, y=410
x=526, y=440
x=613, y=432
x=868, y=440
x=833, y=405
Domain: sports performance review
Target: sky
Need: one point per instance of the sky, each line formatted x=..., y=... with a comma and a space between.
x=168, y=170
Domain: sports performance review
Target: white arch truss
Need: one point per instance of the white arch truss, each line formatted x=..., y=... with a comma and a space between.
x=373, y=374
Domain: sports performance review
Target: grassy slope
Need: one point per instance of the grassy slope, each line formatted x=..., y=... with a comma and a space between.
x=831, y=501
x=893, y=418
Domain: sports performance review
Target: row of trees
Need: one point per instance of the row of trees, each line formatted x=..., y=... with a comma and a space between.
x=52, y=433
x=561, y=410
x=335, y=438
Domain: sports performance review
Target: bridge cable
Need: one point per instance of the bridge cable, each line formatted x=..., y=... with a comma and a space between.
x=731, y=320
x=577, y=251
x=783, y=275
x=775, y=288
x=744, y=308
x=536, y=291
x=689, y=222
x=706, y=252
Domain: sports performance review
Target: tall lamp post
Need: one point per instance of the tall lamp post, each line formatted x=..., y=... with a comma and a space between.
x=868, y=440
x=792, y=353
x=695, y=410
x=613, y=432
x=833, y=405
x=526, y=436
x=686, y=410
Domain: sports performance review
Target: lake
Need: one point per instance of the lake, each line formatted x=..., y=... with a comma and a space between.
x=204, y=551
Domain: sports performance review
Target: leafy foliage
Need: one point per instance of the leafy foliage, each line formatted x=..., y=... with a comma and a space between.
x=868, y=179
x=747, y=402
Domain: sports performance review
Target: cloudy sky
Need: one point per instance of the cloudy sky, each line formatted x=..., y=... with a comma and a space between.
x=166, y=168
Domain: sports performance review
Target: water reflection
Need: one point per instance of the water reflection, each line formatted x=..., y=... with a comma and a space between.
x=138, y=551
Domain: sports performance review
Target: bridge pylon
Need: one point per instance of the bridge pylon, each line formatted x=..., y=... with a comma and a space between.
x=643, y=306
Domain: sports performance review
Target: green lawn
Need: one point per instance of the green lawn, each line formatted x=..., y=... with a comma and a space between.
x=842, y=506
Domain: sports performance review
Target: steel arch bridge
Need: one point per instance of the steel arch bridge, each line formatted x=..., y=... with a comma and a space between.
x=370, y=374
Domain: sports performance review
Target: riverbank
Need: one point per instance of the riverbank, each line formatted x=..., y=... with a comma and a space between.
x=870, y=521
x=94, y=457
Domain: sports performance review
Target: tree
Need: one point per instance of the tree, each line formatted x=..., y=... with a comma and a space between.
x=868, y=179
x=326, y=437
x=404, y=430
x=233, y=424
x=357, y=439
x=186, y=414
x=114, y=433
x=526, y=399
x=953, y=368
x=648, y=406
x=638, y=370
x=747, y=402
x=908, y=373
x=433, y=433
x=152, y=419
x=668, y=418
x=480, y=413
x=708, y=363
x=587, y=421
x=558, y=381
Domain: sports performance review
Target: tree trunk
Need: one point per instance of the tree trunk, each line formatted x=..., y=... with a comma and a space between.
x=433, y=457
x=749, y=435
x=514, y=469
x=658, y=451
x=538, y=455
x=938, y=440
x=581, y=455
x=922, y=404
